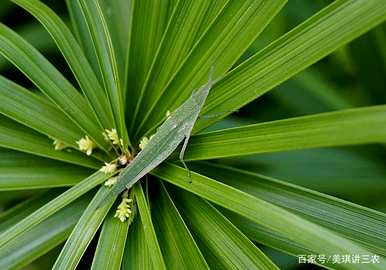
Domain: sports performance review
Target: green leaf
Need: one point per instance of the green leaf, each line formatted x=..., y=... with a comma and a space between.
x=263, y=235
x=310, y=92
x=80, y=30
x=74, y=57
x=111, y=244
x=50, y=81
x=177, y=244
x=107, y=62
x=149, y=22
x=224, y=245
x=36, y=112
x=119, y=13
x=45, y=173
x=34, y=34
x=239, y=23
x=53, y=206
x=9, y=198
x=213, y=10
x=340, y=171
x=365, y=226
x=41, y=238
x=17, y=137
x=295, y=228
x=136, y=254
x=21, y=210
x=150, y=234
x=353, y=126
x=84, y=231
x=178, y=40
x=332, y=27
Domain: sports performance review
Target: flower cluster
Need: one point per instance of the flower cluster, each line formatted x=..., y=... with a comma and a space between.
x=109, y=168
x=112, y=136
x=124, y=208
x=59, y=145
x=111, y=181
x=86, y=144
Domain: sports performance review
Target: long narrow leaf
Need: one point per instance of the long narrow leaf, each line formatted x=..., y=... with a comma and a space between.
x=330, y=170
x=317, y=37
x=150, y=234
x=150, y=19
x=238, y=24
x=17, y=137
x=82, y=34
x=84, y=231
x=137, y=254
x=353, y=126
x=36, y=112
x=360, y=224
x=213, y=230
x=43, y=237
x=177, y=244
x=176, y=43
x=295, y=228
x=119, y=12
x=50, y=81
x=54, y=206
x=107, y=62
x=21, y=210
x=111, y=244
x=75, y=58
x=45, y=175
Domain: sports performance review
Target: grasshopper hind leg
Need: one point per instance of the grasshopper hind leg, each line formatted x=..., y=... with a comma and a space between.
x=181, y=156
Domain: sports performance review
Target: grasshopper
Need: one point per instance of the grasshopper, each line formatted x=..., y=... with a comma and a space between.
x=177, y=128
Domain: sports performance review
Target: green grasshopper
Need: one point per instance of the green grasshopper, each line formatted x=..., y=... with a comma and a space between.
x=177, y=128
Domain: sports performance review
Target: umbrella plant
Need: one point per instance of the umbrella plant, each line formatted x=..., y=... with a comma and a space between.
x=81, y=138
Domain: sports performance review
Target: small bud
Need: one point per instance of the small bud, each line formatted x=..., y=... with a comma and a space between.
x=109, y=168
x=124, y=208
x=144, y=141
x=111, y=182
x=59, y=145
x=112, y=135
x=86, y=145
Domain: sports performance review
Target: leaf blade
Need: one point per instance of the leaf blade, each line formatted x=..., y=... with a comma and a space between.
x=50, y=81
x=84, y=231
x=178, y=246
x=36, y=112
x=239, y=22
x=213, y=230
x=111, y=243
x=360, y=224
x=150, y=235
x=17, y=137
x=55, y=205
x=310, y=235
x=312, y=40
x=42, y=237
x=74, y=56
x=150, y=19
x=107, y=62
x=347, y=127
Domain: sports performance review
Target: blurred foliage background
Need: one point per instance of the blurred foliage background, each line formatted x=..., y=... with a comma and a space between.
x=352, y=76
